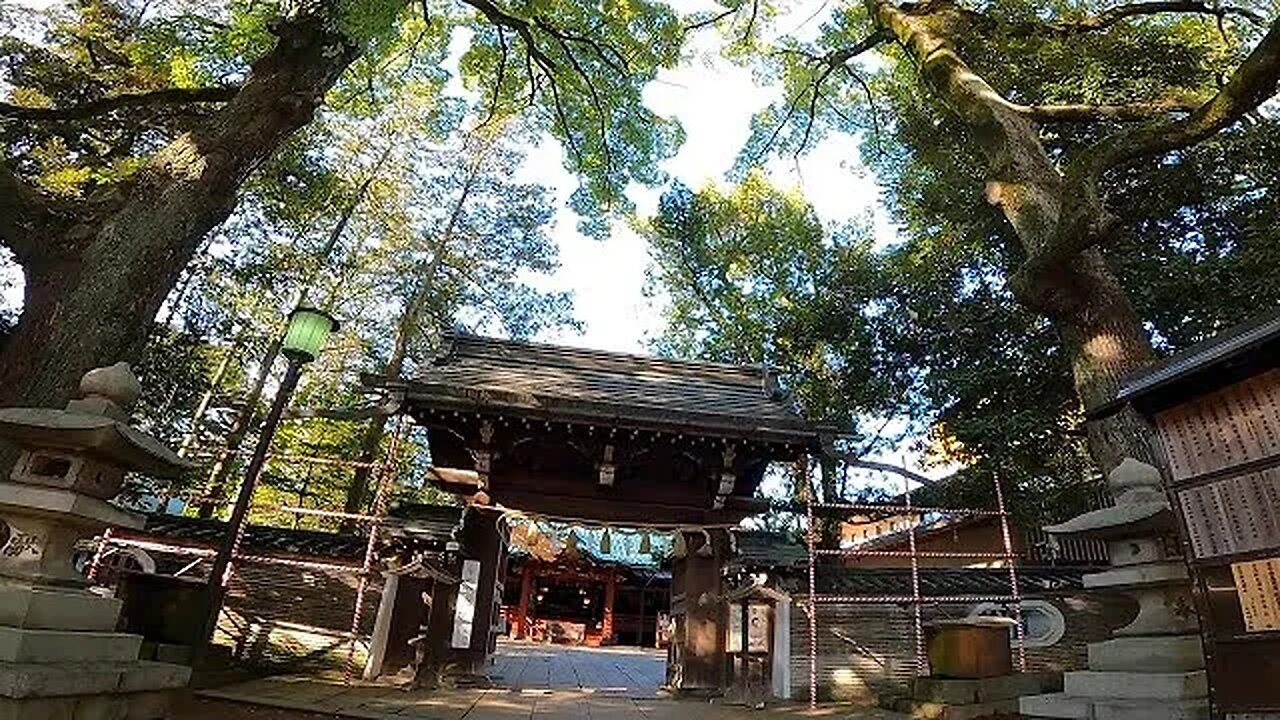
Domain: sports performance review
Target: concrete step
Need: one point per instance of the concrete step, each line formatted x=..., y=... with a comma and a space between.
x=1136, y=685
x=1173, y=653
x=32, y=680
x=26, y=606
x=25, y=645
x=1060, y=706
x=1151, y=710
x=1055, y=705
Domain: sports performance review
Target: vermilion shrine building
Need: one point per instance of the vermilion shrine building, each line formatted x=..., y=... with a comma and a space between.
x=567, y=434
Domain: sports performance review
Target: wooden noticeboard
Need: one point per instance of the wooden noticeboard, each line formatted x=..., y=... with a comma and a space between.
x=1223, y=450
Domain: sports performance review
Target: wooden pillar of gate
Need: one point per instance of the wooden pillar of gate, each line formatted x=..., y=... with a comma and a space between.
x=526, y=595
x=701, y=615
x=610, y=594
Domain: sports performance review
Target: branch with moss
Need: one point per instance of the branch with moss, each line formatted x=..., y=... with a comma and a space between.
x=155, y=98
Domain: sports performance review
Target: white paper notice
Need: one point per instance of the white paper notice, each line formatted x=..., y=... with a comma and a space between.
x=465, y=612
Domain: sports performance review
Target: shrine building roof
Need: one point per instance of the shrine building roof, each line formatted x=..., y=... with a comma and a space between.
x=564, y=384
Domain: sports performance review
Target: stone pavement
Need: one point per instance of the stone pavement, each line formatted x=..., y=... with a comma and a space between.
x=532, y=682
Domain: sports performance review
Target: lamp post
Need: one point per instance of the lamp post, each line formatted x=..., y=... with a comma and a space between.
x=308, y=331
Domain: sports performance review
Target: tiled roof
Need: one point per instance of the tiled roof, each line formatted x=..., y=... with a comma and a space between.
x=1220, y=360
x=421, y=520
x=837, y=580
x=258, y=539
x=578, y=385
x=431, y=526
x=762, y=549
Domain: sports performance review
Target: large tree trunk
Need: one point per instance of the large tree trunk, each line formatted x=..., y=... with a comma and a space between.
x=1105, y=340
x=93, y=289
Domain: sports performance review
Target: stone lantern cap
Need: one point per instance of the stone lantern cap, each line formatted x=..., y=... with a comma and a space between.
x=1141, y=508
x=96, y=426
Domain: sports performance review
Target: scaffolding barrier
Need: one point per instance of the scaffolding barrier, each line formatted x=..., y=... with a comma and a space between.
x=384, y=472
x=840, y=511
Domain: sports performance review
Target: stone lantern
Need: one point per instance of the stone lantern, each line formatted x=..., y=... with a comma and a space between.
x=60, y=656
x=1152, y=668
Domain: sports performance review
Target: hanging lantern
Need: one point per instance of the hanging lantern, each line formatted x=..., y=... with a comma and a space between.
x=606, y=542
x=680, y=548
x=571, y=542
x=646, y=546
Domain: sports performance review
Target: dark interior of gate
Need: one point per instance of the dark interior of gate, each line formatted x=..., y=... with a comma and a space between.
x=536, y=433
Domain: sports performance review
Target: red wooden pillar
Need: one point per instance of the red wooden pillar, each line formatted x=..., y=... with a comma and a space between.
x=610, y=591
x=526, y=593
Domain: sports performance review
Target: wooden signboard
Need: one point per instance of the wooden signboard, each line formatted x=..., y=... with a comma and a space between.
x=1223, y=449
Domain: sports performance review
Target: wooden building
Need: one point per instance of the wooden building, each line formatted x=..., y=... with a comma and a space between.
x=1216, y=411
x=571, y=434
x=577, y=598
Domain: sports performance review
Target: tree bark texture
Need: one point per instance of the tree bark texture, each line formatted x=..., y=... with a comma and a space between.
x=93, y=286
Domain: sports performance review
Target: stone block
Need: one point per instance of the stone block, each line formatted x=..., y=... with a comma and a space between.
x=1056, y=706
x=1172, y=653
x=140, y=676
x=58, y=679
x=1150, y=710
x=22, y=645
x=176, y=654
x=1136, y=685
x=66, y=505
x=24, y=680
x=148, y=705
x=985, y=690
x=1160, y=573
x=51, y=608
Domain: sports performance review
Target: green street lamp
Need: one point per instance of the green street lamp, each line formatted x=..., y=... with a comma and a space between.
x=309, y=329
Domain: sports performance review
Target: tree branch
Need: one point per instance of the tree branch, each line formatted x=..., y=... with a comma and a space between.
x=854, y=461
x=168, y=96
x=1129, y=112
x=1084, y=220
x=1111, y=16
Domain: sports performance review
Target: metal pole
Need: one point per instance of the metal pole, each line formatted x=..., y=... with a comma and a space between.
x=1013, y=578
x=220, y=573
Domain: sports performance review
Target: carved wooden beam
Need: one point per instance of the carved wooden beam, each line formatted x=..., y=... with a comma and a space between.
x=607, y=468
x=728, y=478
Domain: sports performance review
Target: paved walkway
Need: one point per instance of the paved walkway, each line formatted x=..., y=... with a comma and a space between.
x=531, y=682
x=635, y=672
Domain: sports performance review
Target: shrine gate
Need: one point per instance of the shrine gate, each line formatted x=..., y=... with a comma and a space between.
x=568, y=434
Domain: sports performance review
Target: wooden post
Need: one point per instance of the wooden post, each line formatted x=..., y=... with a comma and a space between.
x=610, y=594
x=526, y=593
